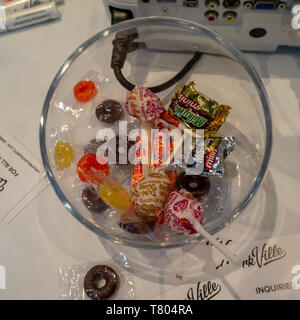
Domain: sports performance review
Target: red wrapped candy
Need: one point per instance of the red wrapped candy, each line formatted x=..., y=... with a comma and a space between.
x=90, y=170
x=84, y=91
x=183, y=211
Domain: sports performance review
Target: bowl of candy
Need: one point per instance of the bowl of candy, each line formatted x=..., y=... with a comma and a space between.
x=155, y=133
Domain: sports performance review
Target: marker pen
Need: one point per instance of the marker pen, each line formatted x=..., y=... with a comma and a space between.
x=18, y=5
x=28, y=17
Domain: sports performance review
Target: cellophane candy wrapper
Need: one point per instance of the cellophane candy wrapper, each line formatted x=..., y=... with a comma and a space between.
x=71, y=281
x=76, y=109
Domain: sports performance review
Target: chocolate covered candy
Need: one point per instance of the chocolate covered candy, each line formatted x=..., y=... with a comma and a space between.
x=197, y=185
x=94, y=277
x=109, y=111
x=92, y=201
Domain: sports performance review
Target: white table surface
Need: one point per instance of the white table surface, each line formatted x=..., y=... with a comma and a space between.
x=45, y=236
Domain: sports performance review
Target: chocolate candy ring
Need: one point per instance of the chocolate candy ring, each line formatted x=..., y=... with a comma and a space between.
x=101, y=282
x=92, y=201
x=109, y=111
x=197, y=185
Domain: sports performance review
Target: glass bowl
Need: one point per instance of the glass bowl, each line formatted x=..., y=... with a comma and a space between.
x=222, y=73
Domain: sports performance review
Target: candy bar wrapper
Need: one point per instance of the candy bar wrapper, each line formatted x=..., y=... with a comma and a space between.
x=137, y=173
x=196, y=110
x=159, y=154
x=216, y=151
x=161, y=149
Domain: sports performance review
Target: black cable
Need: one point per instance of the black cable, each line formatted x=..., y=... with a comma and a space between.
x=123, y=44
x=129, y=86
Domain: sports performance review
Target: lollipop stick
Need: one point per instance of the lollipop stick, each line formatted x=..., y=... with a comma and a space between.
x=232, y=257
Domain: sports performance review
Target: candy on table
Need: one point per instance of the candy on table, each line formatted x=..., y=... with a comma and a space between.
x=109, y=111
x=89, y=169
x=92, y=200
x=115, y=195
x=84, y=91
x=181, y=210
x=151, y=193
x=63, y=154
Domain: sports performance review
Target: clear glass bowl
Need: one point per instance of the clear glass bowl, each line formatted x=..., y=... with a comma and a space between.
x=222, y=73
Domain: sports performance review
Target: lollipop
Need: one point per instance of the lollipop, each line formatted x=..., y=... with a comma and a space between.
x=143, y=104
x=182, y=209
x=151, y=193
x=184, y=214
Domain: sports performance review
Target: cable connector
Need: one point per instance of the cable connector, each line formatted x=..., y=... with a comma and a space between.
x=123, y=44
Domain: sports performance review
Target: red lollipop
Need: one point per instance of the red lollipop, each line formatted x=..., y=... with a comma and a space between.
x=90, y=170
x=84, y=91
x=183, y=213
